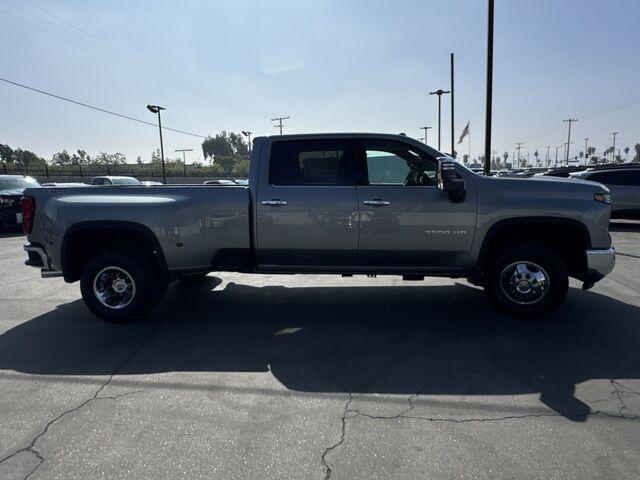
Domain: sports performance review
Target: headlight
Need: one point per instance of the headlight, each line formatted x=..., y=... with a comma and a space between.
x=602, y=197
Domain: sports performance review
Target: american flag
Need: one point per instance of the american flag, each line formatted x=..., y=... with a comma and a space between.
x=465, y=132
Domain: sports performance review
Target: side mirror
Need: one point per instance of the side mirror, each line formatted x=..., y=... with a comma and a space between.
x=450, y=181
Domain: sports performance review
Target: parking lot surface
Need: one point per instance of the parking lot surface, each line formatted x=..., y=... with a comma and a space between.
x=303, y=376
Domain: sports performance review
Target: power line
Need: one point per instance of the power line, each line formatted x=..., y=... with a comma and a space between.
x=130, y=63
x=86, y=105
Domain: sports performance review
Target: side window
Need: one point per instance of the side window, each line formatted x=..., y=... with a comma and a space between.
x=397, y=163
x=310, y=163
x=609, y=178
x=98, y=181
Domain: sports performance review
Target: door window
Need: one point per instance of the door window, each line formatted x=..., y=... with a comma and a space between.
x=310, y=163
x=398, y=164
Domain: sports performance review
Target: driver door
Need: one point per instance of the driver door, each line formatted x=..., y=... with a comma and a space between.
x=405, y=221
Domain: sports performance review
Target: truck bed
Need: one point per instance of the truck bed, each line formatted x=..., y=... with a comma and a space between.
x=192, y=223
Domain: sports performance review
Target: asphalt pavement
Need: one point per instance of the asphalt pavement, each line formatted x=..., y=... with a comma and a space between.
x=302, y=376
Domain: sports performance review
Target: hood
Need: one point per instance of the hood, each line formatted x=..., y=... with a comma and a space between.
x=553, y=183
x=12, y=192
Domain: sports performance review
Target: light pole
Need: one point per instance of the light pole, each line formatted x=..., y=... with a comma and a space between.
x=586, y=150
x=426, y=129
x=613, y=154
x=157, y=109
x=518, y=147
x=548, y=155
x=558, y=147
x=248, y=135
x=489, y=99
x=184, y=159
x=570, y=121
x=439, y=93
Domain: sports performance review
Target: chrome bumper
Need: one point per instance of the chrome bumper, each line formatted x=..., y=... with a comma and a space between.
x=600, y=263
x=45, y=267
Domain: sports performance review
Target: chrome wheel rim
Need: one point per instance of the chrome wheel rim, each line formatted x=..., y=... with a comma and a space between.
x=114, y=287
x=525, y=283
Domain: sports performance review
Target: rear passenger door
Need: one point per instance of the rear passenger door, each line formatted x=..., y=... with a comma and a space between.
x=306, y=205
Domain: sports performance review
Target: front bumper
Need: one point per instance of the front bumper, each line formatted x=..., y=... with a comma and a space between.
x=600, y=263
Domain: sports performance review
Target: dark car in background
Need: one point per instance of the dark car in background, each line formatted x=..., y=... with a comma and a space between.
x=11, y=188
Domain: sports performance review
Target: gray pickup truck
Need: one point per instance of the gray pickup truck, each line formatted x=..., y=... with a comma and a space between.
x=327, y=204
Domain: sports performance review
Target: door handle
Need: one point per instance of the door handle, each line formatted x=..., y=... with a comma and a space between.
x=274, y=203
x=376, y=203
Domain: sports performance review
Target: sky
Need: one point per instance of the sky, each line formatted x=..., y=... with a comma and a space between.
x=329, y=65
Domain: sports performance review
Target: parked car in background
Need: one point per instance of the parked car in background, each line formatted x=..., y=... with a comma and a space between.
x=220, y=181
x=11, y=188
x=563, y=172
x=150, y=183
x=624, y=184
x=112, y=181
x=242, y=181
x=64, y=184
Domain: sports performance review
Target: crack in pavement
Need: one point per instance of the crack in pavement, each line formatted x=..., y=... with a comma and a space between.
x=323, y=459
x=30, y=448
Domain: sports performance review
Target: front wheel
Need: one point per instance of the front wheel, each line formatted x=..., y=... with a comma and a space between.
x=118, y=287
x=527, y=280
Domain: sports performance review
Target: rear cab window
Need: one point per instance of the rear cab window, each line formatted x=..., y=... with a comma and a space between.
x=311, y=163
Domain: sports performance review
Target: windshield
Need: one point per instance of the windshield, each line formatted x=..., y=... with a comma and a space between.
x=9, y=183
x=126, y=181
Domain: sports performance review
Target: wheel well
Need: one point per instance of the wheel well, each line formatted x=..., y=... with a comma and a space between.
x=82, y=244
x=567, y=239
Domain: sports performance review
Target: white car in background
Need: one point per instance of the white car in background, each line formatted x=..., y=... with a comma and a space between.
x=624, y=184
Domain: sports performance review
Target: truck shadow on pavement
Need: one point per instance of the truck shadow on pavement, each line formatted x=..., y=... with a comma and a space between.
x=429, y=340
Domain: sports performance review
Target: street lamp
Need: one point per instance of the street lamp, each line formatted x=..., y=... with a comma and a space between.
x=184, y=159
x=156, y=109
x=426, y=129
x=248, y=135
x=439, y=93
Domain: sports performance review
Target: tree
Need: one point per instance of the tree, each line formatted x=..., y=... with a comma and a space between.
x=27, y=159
x=80, y=158
x=626, y=154
x=61, y=158
x=465, y=158
x=104, y=158
x=220, y=145
x=6, y=153
x=535, y=154
x=505, y=155
x=637, y=149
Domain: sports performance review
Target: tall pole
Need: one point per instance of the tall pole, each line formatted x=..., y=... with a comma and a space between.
x=613, y=154
x=248, y=135
x=586, y=150
x=518, y=147
x=453, y=152
x=426, y=129
x=157, y=109
x=439, y=93
x=487, y=126
x=279, y=120
x=570, y=121
x=548, y=159
x=184, y=159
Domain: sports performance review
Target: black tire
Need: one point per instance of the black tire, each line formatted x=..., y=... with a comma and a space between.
x=141, y=287
x=527, y=280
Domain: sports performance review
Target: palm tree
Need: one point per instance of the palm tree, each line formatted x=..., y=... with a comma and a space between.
x=535, y=154
x=626, y=154
x=505, y=155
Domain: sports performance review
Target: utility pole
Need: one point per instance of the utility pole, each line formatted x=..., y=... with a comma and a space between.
x=157, y=109
x=487, y=127
x=613, y=154
x=559, y=146
x=518, y=147
x=548, y=159
x=248, y=135
x=439, y=93
x=586, y=150
x=453, y=152
x=570, y=121
x=279, y=120
x=184, y=158
x=425, y=133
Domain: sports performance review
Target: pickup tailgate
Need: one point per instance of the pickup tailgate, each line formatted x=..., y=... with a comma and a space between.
x=191, y=224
